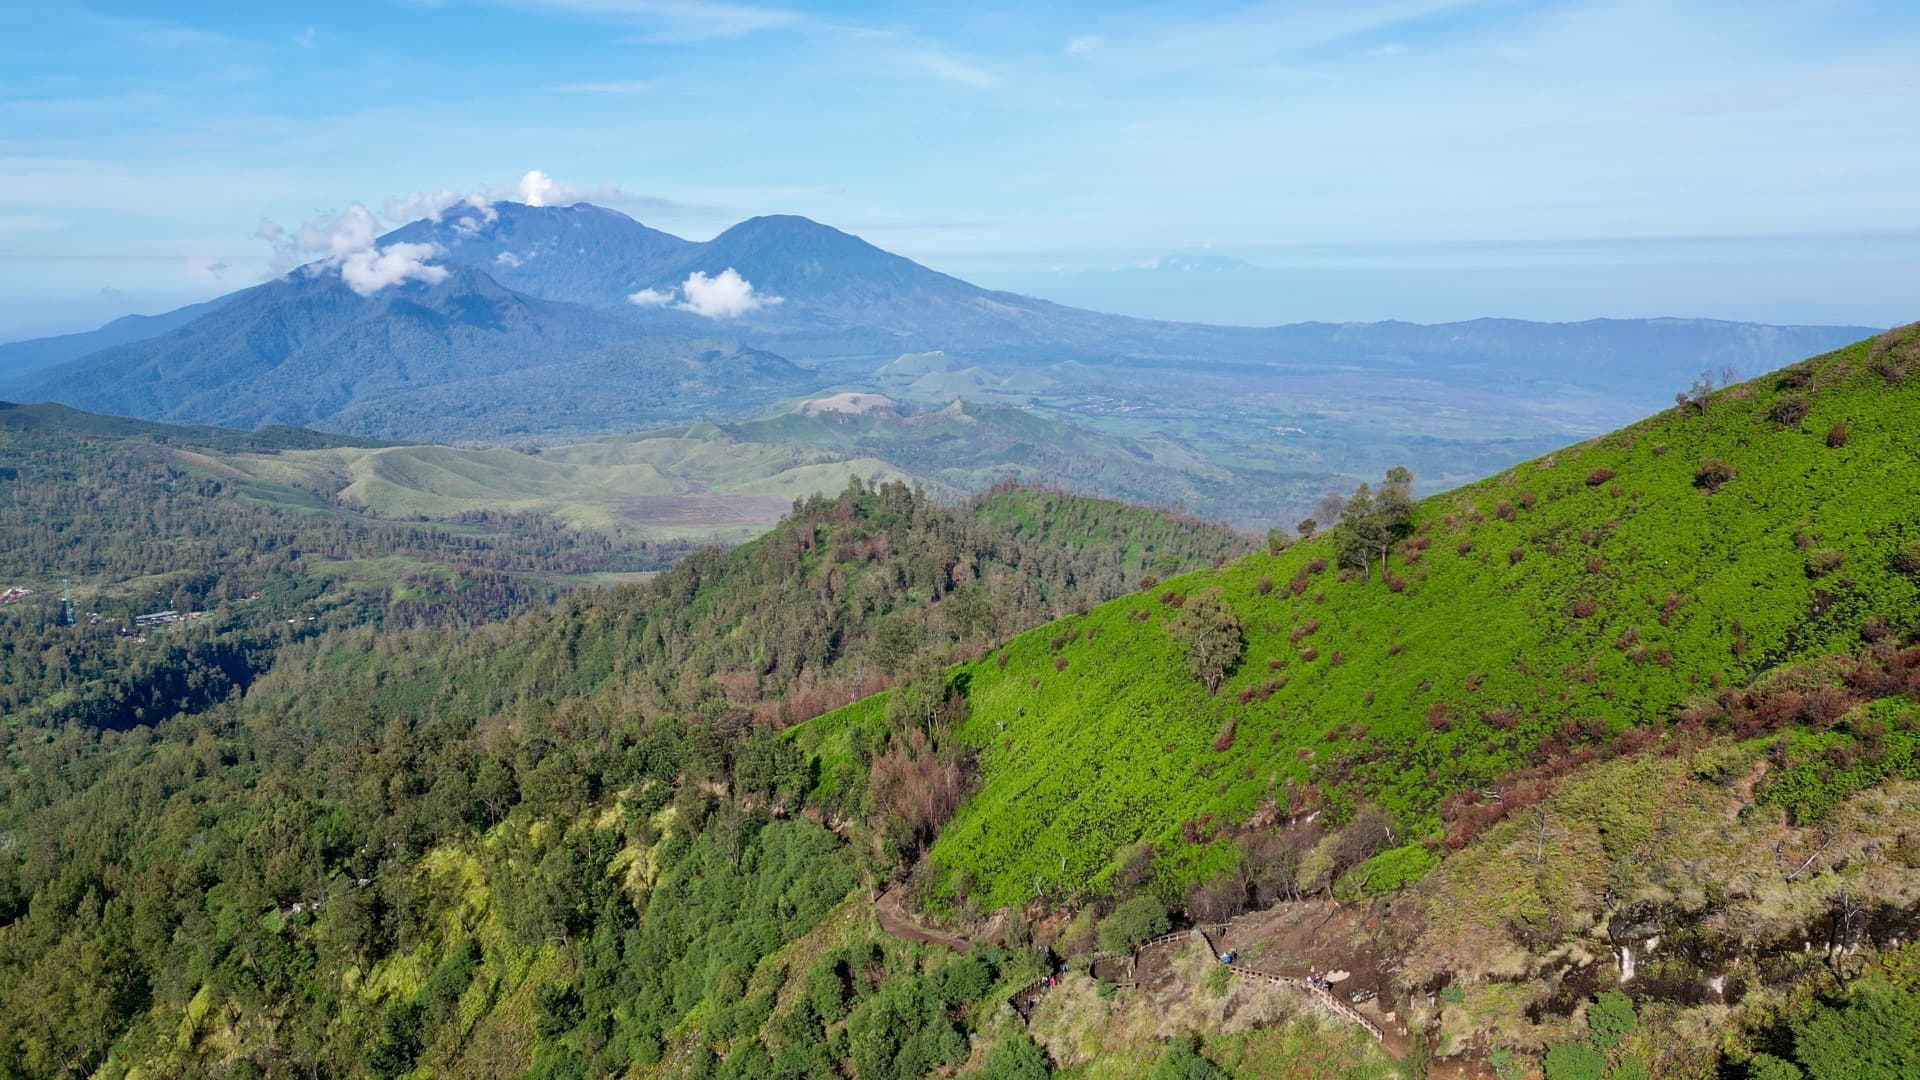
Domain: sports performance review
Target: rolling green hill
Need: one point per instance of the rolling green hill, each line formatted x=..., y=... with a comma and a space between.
x=1544, y=610
x=730, y=482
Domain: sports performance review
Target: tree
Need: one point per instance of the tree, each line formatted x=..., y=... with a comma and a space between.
x=1015, y=1056
x=1610, y=1018
x=1327, y=510
x=1372, y=522
x=1210, y=630
x=1574, y=1061
x=1694, y=398
x=1182, y=1061
x=1874, y=1036
x=1768, y=1067
x=1132, y=922
x=1306, y=528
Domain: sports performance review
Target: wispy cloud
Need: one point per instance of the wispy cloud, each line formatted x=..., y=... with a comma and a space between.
x=606, y=86
x=947, y=69
x=686, y=20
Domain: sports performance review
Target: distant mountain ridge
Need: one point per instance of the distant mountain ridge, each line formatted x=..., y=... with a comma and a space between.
x=416, y=360
x=533, y=332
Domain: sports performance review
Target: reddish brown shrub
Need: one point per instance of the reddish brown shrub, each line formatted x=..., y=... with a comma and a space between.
x=1059, y=663
x=1712, y=475
x=1263, y=586
x=1585, y=607
x=1599, y=476
x=1838, y=434
x=1223, y=741
x=1514, y=556
x=1789, y=411
x=916, y=787
x=1668, y=606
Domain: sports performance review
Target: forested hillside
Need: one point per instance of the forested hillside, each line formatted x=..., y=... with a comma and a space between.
x=263, y=881
x=135, y=518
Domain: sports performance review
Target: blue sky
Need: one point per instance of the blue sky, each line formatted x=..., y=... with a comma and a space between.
x=1421, y=159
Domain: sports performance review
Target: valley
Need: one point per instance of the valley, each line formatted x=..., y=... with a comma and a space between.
x=1601, y=763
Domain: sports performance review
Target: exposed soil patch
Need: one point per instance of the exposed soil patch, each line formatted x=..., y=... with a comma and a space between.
x=1319, y=937
x=895, y=921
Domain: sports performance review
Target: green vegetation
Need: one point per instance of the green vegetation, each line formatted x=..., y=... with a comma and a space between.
x=137, y=518
x=1574, y=778
x=1131, y=922
x=1525, y=622
x=591, y=794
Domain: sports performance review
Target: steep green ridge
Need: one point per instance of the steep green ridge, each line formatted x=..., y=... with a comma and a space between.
x=1543, y=610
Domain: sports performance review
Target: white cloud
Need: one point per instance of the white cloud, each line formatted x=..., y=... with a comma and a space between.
x=433, y=204
x=202, y=269
x=367, y=272
x=340, y=235
x=539, y=189
x=508, y=259
x=345, y=242
x=723, y=296
x=1082, y=44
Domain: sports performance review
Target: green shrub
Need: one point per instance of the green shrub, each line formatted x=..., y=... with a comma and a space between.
x=1575, y=1061
x=1610, y=1018
x=1394, y=869
x=1824, y=561
x=1873, y=1034
x=1015, y=1056
x=1182, y=1061
x=1133, y=922
x=1768, y=1067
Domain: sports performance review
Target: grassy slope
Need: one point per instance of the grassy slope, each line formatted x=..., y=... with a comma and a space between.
x=732, y=483
x=1115, y=748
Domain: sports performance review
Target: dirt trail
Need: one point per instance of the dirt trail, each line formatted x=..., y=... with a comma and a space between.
x=895, y=921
